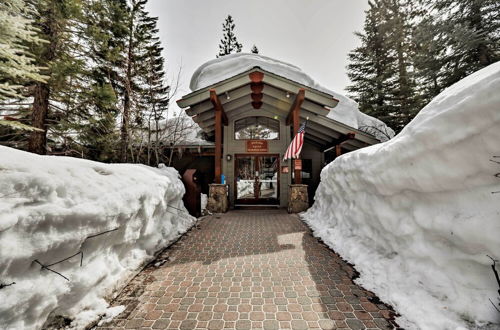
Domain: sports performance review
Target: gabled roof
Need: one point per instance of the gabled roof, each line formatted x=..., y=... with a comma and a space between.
x=235, y=94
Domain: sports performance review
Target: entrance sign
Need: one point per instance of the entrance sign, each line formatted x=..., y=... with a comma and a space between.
x=297, y=164
x=257, y=146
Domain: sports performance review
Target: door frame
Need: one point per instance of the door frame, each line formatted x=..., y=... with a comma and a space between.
x=256, y=201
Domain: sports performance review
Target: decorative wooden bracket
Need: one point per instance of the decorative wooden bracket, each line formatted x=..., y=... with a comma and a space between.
x=257, y=86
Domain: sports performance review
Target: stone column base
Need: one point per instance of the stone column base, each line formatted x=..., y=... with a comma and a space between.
x=298, y=199
x=218, y=201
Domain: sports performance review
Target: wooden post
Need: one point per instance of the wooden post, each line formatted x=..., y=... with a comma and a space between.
x=296, y=126
x=218, y=146
x=294, y=118
x=220, y=118
x=338, y=150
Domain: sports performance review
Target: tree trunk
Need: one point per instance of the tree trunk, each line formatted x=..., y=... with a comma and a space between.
x=38, y=140
x=124, y=134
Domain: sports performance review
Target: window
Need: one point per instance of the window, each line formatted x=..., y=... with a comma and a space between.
x=257, y=128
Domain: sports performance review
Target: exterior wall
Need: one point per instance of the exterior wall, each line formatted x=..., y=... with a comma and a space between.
x=233, y=147
x=310, y=151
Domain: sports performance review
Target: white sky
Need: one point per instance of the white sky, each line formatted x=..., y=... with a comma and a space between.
x=315, y=35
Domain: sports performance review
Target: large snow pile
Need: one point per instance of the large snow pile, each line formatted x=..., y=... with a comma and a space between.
x=347, y=110
x=51, y=208
x=416, y=214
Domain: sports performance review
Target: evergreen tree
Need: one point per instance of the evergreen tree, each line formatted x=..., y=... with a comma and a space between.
x=401, y=15
x=54, y=19
x=470, y=31
x=229, y=44
x=141, y=33
x=381, y=69
x=157, y=99
x=429, y=59
x=370, y=66
x=16, y=61
x=99, y=104
x=255, y=50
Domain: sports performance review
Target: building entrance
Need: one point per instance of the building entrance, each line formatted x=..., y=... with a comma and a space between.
x=257, y=179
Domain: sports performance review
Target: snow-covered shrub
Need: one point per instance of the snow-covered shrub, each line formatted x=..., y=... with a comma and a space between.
x=110, y=218
x=416, y=214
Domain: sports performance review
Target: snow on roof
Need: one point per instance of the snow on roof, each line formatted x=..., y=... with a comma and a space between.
x=346, y=112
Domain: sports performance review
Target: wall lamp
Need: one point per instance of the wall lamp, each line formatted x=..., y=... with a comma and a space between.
x=229, y=157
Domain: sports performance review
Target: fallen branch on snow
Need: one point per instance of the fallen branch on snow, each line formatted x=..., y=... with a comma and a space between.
x=3, y=285
x=493, y=266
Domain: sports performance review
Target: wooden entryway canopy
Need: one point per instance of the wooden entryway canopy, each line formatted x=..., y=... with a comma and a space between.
x=210, y=108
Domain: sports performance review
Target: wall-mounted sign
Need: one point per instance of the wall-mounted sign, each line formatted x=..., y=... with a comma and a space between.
x=257, y=146
x=284, y=169
x=297, y=164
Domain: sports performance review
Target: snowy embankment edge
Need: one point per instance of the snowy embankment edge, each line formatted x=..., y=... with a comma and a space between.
x=117, y=215
x=416, y=215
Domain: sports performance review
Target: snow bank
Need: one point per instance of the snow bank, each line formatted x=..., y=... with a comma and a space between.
x=347, y=111
x=50, y=208
x=416, y=214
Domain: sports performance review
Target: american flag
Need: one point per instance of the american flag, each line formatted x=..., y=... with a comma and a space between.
x=295, y=147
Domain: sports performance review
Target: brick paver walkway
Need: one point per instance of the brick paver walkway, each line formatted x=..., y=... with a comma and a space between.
x=249, y=269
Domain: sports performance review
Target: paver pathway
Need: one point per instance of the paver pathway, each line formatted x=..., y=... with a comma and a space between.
x=249, y=269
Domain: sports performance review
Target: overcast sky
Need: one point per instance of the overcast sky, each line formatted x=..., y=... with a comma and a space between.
x=315, y=35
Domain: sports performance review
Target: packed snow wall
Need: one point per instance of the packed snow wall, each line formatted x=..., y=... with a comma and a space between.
x=417, y=215
x=111, y=218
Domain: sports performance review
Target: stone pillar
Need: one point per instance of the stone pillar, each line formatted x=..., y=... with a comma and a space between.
x=218, y=201
x=298, y=200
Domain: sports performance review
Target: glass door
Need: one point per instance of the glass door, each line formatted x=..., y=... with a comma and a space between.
x=257, y=179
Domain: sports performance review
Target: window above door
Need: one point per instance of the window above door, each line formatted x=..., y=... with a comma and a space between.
x=257, y=128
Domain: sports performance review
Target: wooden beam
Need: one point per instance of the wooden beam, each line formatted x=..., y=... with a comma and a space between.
x=338, y=143
x=295, y=108
x=218, y=106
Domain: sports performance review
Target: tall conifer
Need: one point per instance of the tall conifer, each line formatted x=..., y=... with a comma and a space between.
x=229, y=44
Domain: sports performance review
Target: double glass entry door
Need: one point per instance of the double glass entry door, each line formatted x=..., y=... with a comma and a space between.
x=257, y=179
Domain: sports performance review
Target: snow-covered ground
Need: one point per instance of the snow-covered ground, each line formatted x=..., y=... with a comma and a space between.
x=55, y=207
x=347, y=110
x=416, y=215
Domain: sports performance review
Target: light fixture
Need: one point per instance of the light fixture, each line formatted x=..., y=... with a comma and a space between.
x=287, y=95
x=229, y=157
x=227, y=96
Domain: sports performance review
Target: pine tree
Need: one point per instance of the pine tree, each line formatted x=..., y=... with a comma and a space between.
x=381, y=69
x=141, y=30
x=156, y=98
x=400, y=18
x=469, y=30
x=53, y=18
x=429, y=59
x=16, y=61
x=229, y=44
x=370, y=66
x=99, y=104
x=255, y=50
